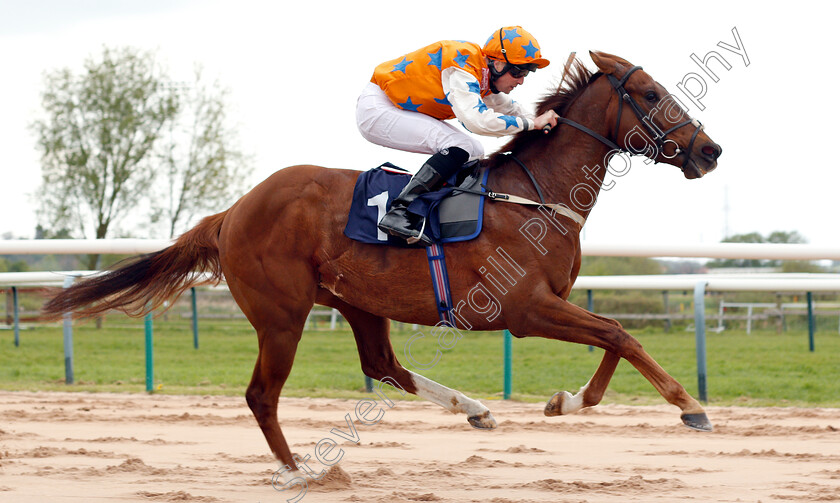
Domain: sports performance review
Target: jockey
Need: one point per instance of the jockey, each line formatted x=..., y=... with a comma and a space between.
x=409, y=98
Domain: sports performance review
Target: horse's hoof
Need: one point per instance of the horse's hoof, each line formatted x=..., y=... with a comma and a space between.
x=697, y=422
x=554, y=407
x=483, y=421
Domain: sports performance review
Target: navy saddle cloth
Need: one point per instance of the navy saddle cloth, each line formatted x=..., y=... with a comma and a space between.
x=451, y=214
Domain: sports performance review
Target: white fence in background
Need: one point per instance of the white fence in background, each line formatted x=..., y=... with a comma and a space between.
x=763, y=251
x=767, y=309
x=779, y=282
x=79, y=246
x=776, y=282
x=699, y=283
x=714, y=282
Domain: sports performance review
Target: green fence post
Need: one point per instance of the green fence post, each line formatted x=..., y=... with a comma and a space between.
x=508, y=337
x=811, y=322
x=194, y=319
x=150, y=384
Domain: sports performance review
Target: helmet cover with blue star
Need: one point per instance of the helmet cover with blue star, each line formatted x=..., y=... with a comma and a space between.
x=514, y=45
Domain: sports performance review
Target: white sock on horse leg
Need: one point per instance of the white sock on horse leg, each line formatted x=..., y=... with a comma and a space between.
x=572, y=404
x=449, y=399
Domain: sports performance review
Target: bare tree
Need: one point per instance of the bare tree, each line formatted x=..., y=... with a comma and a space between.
x=99, y=130
x=202, y=168
x=121, y=137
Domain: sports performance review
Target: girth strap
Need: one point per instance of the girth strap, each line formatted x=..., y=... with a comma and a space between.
x=557, y=208
x=440, y=283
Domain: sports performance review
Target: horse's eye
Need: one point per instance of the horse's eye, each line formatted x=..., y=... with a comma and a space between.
x=650, y=96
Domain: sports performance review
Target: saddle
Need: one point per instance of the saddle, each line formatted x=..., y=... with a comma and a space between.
x=453, y=213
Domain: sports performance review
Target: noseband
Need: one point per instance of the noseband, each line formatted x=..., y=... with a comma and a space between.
x=659, y=137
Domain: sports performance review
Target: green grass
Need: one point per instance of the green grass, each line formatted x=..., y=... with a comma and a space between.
x=764, y=368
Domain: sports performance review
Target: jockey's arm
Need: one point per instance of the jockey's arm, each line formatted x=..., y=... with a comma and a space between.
x=476, y=114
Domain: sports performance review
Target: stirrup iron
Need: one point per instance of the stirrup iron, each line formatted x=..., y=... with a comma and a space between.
x=413, y=240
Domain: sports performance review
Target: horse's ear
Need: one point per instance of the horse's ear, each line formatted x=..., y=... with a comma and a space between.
x=608, y=63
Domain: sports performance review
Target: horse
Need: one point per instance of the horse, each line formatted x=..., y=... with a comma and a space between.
x=281, y=249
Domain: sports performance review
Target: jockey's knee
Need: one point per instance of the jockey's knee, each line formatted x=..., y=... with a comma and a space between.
x=472, y=146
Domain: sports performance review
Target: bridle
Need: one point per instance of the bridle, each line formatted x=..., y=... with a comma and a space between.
x=658, y=136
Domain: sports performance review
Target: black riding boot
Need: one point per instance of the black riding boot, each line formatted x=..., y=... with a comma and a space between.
x=398, y=222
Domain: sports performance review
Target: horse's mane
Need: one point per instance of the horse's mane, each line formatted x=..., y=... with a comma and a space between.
x=578, y=78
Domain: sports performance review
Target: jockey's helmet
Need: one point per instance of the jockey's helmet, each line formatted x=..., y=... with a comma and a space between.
x=517, y=48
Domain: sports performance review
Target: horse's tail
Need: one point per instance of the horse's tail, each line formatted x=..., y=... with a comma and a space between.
x=140, y=284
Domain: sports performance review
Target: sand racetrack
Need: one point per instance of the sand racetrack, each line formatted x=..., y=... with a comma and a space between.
x=72, y=447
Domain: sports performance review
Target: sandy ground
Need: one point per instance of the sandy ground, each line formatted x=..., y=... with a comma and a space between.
x=70, y=447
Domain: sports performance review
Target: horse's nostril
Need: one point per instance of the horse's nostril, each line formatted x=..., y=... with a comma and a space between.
x=710, y=151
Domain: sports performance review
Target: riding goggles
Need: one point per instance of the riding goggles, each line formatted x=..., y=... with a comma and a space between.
x=519, y=71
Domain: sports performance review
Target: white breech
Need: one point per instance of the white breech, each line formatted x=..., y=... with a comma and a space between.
x=382, y=123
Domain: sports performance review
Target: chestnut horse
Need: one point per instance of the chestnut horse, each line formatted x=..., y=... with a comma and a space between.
x=281, y=249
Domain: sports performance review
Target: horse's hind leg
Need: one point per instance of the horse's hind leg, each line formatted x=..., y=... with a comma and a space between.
x=279, y=329
x=274, y=363
x=379, y=362
x=589, y=395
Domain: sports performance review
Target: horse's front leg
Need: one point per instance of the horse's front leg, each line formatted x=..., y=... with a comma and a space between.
x=589, y=395
x=554, y=318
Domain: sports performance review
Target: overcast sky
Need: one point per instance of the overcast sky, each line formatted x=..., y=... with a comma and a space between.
x=295, y=69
